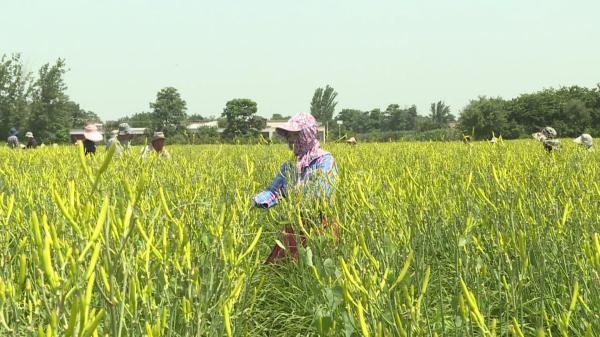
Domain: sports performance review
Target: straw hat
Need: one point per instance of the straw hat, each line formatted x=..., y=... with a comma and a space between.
x=29, y=134
x=351, y=140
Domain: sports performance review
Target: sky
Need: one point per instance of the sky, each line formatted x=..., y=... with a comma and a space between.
x=277, y=52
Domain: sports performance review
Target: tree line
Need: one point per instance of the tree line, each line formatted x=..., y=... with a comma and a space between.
x=39, y=104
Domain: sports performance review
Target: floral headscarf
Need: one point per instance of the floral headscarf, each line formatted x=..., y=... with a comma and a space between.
x=306, y=147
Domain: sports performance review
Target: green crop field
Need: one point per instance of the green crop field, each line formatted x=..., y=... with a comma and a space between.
x=434, y=239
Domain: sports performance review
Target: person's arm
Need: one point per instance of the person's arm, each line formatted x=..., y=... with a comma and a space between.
x=278, y=188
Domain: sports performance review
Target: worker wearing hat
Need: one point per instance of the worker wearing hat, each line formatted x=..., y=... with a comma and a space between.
x=31, y=143
x=157, y=145
x=312, y=174
x=113, y=141
x=548, y=138
x=91, y=136
x=12, y=141
x=585, y=140
x=124, y=135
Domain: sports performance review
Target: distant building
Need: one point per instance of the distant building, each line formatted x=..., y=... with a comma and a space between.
x=268, y=132
x=195, y=126
x=137, y=131
x=77, y=134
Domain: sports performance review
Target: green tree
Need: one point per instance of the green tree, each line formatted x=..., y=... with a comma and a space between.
x=440, y=114
x=279, y=117
x=398, y=119
x=139, y=120
x=169, y=111
x=196, y=117
x=354, y=120
x=241, y=118
x=323, y=104
x=79, y=116
x=50, y=116
x=16, y=86
x=485, y=116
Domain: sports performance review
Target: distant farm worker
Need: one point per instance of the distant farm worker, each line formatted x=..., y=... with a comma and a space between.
x=351, y=141
x=12, y=141
x=312, y=174
x=91, y=136
x=125, y=135
x=493, y=140
x=467, y=140
x=548, y=137
x=113, y=141
x=157, y=146
x=584, y=140
x=31, y=143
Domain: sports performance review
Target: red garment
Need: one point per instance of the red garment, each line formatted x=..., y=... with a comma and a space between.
x=290, y=241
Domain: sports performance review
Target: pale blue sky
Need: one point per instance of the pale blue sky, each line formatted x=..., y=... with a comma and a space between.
x=374, y=53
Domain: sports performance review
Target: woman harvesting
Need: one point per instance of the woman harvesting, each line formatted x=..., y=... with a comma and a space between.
x=313, y=174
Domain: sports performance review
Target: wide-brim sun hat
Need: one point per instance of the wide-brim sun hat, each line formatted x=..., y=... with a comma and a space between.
x=297, y=123
x=158, y=135
x=584, y=139
x=90, y=132
x=549, y=132
x=13, y=131
x=29, y=135
x=124, y=129
x=351, y=140
x=114, y=133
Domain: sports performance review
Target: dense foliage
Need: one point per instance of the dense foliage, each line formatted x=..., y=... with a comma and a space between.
x=434, y=239
x=570, y=110
x=38, y=104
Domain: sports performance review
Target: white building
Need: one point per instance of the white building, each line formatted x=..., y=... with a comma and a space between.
x=195, y=126
x=268, y=132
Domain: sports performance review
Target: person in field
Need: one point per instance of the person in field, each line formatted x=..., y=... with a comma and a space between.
x=351, y=141
x=13, y=140
x=31, y=143
x=467, y=140
x=91, y=136
x=548, y=138
x=124, y=135
x=585, y=140
x=313, y=174
x=156, y=146
x=114, y=141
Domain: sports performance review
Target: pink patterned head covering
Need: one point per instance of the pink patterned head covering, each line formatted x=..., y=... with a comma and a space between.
x=306, y=146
